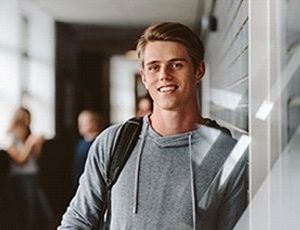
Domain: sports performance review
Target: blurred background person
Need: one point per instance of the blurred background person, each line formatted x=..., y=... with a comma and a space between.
x=25, y=149
x=144, y=105
x=89, y=124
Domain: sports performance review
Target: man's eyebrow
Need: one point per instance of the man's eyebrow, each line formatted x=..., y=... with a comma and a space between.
x=169, y=61
x=177, y=59
x=151, y=62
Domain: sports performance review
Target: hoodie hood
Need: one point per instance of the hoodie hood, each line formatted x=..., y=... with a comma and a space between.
x=206, y=132
x=201, y=138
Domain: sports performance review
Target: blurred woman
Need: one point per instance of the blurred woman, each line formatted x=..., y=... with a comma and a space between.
x=24, y=149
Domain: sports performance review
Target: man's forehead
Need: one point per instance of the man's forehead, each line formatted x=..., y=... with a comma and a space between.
x=164, y=50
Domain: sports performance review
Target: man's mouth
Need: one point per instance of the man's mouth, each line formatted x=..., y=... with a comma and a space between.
x=165, y=89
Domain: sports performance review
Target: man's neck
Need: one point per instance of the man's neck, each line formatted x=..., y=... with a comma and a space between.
x=168, y=123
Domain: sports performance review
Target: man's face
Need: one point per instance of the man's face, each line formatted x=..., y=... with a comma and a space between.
x=169, y=76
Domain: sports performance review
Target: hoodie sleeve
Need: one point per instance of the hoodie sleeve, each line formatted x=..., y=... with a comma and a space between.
x=235, y=198
x=89, y=203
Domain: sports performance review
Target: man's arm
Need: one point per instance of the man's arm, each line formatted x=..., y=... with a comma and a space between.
x=88, y=204
x=235, y=201
x=20, y=157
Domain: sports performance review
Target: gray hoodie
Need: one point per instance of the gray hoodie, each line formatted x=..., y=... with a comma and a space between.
x=167, y=183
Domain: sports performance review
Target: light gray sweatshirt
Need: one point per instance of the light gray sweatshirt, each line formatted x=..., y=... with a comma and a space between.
x=167, y=183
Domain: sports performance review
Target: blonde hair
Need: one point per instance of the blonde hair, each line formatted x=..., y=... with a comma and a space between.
x=175, y=32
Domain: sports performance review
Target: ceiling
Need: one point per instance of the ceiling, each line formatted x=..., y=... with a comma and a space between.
x=135, y=13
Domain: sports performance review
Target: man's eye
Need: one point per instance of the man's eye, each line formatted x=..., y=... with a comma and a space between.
x=176, y=65
x=152, y=68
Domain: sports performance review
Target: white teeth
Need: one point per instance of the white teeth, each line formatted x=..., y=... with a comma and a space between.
x=167, y=88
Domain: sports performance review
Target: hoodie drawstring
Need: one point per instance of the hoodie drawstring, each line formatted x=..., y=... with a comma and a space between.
x=137, y=171
x=193, y=192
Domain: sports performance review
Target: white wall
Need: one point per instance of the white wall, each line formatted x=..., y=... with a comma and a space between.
x=27, y=64
x=122, y=88
x=227, y=60
x=243, y=56
x=9, y=60
x=260, y=57
x=40, y=77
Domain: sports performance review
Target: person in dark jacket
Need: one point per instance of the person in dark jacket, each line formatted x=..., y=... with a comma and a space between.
x=89, y=124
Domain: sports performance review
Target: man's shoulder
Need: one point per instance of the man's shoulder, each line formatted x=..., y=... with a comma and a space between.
x=111, y=129
x=111, y=132
x=213, y=124
x=214, y=131
x=220, y=137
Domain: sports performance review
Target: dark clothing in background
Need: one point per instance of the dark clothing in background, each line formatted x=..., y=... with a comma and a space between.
x=81, y=152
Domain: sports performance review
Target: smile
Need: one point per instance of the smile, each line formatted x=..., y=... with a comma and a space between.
x=165, y=89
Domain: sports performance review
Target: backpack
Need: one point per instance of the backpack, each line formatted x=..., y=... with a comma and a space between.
x=125, y=143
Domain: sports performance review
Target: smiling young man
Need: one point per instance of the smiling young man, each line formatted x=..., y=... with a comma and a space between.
x=175, y=177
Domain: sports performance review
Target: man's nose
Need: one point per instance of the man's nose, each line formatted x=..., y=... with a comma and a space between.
x=164, y=74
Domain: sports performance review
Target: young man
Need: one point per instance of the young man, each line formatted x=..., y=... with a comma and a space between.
x=174, y=177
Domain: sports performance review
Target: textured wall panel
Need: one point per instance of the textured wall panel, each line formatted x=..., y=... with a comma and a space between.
x=227, y=56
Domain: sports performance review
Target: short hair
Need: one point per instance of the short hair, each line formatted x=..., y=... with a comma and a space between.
x=175, y=32
x=94, y=116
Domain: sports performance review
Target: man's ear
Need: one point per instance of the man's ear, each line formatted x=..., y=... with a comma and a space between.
x=143, y=77
x=200, y=71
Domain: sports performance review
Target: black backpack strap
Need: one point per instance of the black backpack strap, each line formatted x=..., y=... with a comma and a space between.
x=125, y=143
